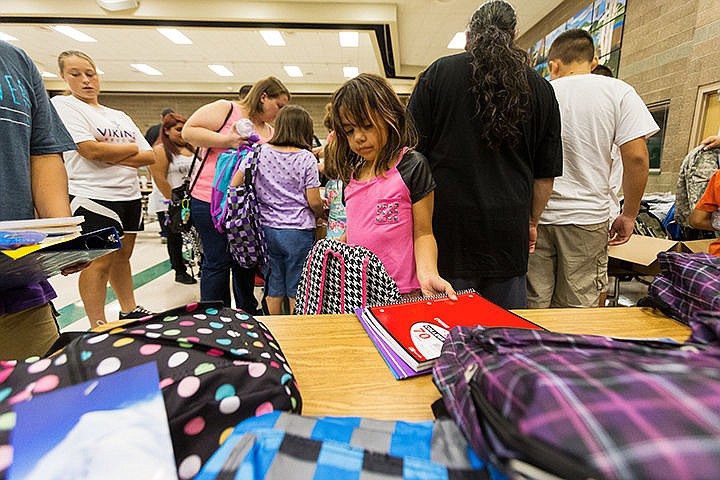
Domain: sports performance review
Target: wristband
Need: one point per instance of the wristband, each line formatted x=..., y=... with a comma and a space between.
x=715, y=220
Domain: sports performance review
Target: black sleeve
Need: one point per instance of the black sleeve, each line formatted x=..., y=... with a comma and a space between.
x=420, y=110
x=548, y=161
x=415, y=172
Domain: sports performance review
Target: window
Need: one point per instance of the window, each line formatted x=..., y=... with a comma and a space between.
x=707, y=114
x=659, y=111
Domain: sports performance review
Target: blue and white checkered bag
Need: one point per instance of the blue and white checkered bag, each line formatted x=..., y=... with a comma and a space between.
x=286, y=446
x=242, y=224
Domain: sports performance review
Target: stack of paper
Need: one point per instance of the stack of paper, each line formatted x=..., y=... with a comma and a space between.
x=410, y=335
x=33, y=263
x=49, y=226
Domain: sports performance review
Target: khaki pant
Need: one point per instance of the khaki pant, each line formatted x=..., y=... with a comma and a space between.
x=569, y=266
x=27, y=333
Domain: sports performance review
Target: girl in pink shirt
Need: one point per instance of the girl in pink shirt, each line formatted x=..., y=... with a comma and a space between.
x=389, y=188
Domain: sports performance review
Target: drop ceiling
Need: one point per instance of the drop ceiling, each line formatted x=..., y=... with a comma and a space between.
x=397, y=39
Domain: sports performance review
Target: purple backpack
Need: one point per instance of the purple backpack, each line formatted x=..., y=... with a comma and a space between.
x=688, y=283
x=227, y=164
x=246, y=240
x=583, y=406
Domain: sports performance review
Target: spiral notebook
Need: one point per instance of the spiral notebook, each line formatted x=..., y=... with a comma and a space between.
x=415, y=330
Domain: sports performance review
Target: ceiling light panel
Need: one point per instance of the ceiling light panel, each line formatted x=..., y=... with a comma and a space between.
x=175, y=36
x=221, y=70
x=73, y=33
x=273, y=38
x=348, y=39
x=457, y=42
x=48, y=74
x=6, y=37
x=293, y=71
x=146, y=69
x=350, y=72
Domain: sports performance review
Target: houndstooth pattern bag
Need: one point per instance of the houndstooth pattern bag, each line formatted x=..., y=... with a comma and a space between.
x=338, y=278
x=242, y=225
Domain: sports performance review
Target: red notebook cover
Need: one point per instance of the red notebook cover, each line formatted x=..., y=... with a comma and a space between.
x=420, y=326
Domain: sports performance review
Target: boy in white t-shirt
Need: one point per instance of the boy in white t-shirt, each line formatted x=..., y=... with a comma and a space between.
x=569, y=265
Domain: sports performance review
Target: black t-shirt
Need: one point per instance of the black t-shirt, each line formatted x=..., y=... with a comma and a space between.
x=483, y=196
x=152, y=134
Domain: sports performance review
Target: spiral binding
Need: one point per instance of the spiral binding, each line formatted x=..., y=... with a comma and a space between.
x=422, y=299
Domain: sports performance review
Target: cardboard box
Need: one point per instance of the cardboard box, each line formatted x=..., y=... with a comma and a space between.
x=639, y=254
x=697, y=246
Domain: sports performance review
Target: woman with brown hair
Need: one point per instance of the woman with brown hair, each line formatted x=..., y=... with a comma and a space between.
x=212, y=128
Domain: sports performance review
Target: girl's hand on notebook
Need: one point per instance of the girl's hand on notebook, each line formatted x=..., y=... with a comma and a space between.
x=435, y=285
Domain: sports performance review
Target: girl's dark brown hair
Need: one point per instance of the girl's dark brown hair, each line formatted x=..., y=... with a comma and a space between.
x=369, y=99
x=168, y=122
x=293, y=128
x=270, y=86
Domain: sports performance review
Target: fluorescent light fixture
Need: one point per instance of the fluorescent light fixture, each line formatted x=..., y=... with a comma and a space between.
x=48, y=74
x=73, y=33
x=175, y=36
x=348, y=39
x=273, y=38
x=221, y=70
x=6, y=37
x=100, y=72
x=293, y=70
x=350, y=72
x=458, y=41
x=146, y=69
x=117, y=5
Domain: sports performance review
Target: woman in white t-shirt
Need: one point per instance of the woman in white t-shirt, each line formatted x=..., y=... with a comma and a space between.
x=173, y=157
x=102, y=181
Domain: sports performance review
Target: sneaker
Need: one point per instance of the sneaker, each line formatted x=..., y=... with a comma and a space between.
x=185, y=278
x=137, y=312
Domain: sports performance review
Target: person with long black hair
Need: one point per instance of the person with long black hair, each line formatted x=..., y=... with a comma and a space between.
x=490, y=128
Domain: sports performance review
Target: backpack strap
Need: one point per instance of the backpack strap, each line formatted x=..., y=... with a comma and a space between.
x=327, y=255
x=207, y=152
x=252, y=167
x=365, y=262
x=308, y=275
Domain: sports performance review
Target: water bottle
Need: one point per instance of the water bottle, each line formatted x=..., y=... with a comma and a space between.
x=244, y=127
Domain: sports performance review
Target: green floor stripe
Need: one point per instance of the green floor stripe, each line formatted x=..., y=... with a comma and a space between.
x=73, y=312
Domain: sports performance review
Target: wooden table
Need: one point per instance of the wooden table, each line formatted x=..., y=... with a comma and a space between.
x=340, y=372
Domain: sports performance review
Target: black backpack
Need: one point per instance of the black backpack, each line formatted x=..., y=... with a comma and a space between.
x=217, y=366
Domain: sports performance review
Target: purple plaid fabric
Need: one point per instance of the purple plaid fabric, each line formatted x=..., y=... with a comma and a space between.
x=242, y=225
x=624, y=409
x=705, y=328
x=688, y=283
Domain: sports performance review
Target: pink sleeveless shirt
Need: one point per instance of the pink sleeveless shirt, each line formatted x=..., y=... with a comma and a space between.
x=379, y=217
x=203, y=186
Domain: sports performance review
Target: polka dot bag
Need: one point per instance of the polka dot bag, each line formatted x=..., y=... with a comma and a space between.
x=217, y=367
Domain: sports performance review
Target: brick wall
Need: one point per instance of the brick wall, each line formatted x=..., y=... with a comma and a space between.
x=669, y=49
x=145, y=109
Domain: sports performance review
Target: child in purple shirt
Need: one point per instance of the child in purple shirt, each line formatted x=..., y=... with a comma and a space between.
x=389, y=188
x=288, y=193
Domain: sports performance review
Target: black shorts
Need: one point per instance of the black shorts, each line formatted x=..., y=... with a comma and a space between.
x=125, y=215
